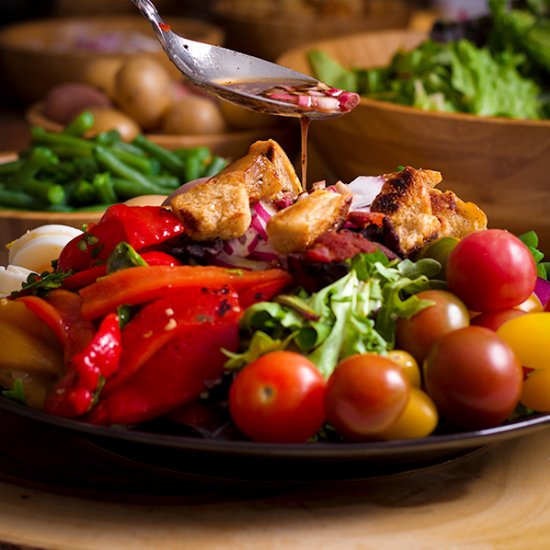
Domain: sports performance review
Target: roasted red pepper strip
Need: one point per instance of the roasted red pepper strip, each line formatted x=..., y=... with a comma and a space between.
x=178, y=371
x=166, y=318
x=139, y=226
x=143, y=284
x=79, y=331
x=88, y=276
x=48, y=315
x=73, y=395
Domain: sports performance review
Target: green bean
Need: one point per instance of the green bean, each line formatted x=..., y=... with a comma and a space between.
x=193, y=168
x=19, y=199
x=70, y=151
x=39, y=158
x=104, y=187
x=8, y=168
x=42, y=136
x=217, y=164
x=170, y=182
x=142, y=164
x=84, y=192
x=45, y=191
x=168, y=159
x=129, y=148
x=80, y=124
x=126, y=189
x=202, y=152
x=118, y=168
x=108, y=138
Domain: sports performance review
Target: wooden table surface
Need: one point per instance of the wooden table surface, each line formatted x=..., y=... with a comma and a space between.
x=495, y=498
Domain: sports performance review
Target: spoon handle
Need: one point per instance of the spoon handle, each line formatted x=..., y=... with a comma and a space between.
x=149, y=11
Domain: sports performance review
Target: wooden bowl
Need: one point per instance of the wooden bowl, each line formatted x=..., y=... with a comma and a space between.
x=14, y=223
x=269, y=28
x=37, y=55
x=232, y=144
x=501, y=164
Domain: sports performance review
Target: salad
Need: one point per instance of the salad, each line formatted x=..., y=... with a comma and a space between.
x=249, y=308
x=494, y=66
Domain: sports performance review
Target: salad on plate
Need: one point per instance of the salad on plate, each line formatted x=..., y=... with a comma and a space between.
x=247, y=307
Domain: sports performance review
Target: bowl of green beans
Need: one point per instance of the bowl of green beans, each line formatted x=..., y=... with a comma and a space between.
x=67, y=178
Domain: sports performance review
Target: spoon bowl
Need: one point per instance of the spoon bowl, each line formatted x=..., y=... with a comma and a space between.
x=240, y=78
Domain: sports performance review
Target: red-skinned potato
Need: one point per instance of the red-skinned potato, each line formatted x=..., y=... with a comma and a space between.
x=64, y=101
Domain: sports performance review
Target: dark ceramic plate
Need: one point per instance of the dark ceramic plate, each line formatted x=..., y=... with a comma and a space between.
x=172, y=459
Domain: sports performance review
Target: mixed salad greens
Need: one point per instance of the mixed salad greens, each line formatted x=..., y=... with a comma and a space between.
x=497, y=67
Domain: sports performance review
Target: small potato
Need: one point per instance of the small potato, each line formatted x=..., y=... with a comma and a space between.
x=146, y=200
x=240, y=118
x=194, y=115
x=101, y=74
x=143, y=90
x=64, y=101
x=113, y=119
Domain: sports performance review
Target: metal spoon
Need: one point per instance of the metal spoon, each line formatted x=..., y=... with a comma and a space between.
x=225, y=73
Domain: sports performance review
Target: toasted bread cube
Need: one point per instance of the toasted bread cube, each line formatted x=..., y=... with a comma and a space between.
x=290, y=183
x=257, y=174
x=210, y=210
x=294, y=228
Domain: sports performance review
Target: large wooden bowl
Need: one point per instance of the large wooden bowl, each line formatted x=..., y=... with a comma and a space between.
x=37, y=55
x=501, y=164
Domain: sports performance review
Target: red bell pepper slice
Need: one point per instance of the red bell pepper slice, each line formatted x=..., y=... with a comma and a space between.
x=166, y=318
x=90, y=275
x=139, y=226
x=143, y=284
x=179, y=370
x=73, y=395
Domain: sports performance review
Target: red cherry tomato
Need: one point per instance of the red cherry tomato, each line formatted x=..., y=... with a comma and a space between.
x=494, y=319
x=278, y=398
x=365, y=395
x=474, y=377
x=491, y=270
x=417, y=334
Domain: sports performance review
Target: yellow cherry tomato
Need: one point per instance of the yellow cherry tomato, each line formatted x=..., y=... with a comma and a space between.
x=529, y=336
x=535, y=393
x=419, y=419
x=408, y=365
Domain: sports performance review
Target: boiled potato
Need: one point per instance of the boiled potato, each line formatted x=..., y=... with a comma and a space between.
x=194, y=115
x=143, y=90
x=113, y=119
x=101, y=73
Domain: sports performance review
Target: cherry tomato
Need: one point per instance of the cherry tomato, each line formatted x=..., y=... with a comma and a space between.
x=491, y=270
x=535, y=394
x=278, y=398
x=417, y=334
x=419, y=419
x=365, y=395
x=529, y=337
x=494, y=319
x=408, y=365
x=474, y=377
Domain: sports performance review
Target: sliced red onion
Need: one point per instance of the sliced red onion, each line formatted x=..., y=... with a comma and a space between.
x=348, y=101
x=327, y=104
x=365, y=189
x=542, y=290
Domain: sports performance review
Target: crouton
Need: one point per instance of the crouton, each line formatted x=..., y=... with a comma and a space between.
x=209, y=210
x=296, y=227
